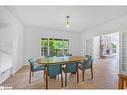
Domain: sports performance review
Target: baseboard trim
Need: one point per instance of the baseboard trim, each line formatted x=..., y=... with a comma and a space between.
x=16, y=68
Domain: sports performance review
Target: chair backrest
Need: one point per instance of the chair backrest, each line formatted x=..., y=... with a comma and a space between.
x=71, y=67
x=60, y=55
x=31, y=61
x=68, y=54
x=54, y=69
x=89, y=57
x=48, y=56
x=88, y=62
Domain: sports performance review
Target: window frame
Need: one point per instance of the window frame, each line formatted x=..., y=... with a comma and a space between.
x=48, y=39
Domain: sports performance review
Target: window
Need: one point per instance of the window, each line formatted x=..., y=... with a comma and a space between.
x=54, y=47
x=44, y=47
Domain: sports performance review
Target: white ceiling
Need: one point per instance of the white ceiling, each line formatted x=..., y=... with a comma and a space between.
x=81, y=17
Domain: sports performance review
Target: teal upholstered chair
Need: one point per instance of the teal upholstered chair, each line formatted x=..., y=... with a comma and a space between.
x=53, y=70
x=34, y=68
x=87, y=64
x=60, y=55
x=68, y=54
x=69, y=68
x=48, y=56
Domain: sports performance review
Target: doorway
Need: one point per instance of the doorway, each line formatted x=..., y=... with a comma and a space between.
x=106, y=48
x=105, y=51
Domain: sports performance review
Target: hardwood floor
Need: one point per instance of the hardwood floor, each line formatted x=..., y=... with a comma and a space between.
x=105, y=77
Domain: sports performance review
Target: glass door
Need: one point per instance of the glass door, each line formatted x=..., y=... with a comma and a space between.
x=123, y=53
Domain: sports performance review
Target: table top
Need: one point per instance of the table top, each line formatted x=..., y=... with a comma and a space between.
x=64, y=59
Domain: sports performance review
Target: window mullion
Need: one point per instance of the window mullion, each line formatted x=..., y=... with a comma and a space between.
x=63, y=46
x=48, y=46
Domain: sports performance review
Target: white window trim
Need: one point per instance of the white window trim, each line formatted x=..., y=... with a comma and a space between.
x=49, y=47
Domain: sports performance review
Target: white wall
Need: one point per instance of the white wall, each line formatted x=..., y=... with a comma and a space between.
x=96, y=47
x=116, y=25
x=5, y=48
x=89, y=47
x=33, y=35
x=11, y=38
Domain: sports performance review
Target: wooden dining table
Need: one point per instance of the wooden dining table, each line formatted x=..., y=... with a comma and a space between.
x=60, y=60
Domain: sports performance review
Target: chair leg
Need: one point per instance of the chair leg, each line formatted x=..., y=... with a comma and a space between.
x=83, y=74
x=44, y=74
x=58, y=76
x=66, y=75
x=61, y=80
x=91, y=72
x=32, y=74
x=77, y=73
x=61, y=76
x=30, y=77
x=126, y=83
x=65, y=79
x=120, y=85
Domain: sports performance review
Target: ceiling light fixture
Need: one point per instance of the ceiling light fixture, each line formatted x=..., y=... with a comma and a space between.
x=67, y=22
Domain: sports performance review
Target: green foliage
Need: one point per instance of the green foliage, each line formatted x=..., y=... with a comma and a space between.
x=113, y=45
x=56, y=45
x=44, y=42
x=66, y=43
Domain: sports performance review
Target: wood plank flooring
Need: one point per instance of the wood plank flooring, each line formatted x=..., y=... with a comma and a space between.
x=105, y=77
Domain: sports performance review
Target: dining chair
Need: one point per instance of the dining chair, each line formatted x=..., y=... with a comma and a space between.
x=35, y=68
x=48, y=56
x=68, y=54
x=60, y=55
x=87, y=64
x=70, y=68
x=53, y=70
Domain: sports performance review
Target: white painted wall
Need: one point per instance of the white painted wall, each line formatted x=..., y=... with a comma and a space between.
x=11, y=39
x=89, y=47
x=33, y=35
x=6, y=39
x=116, y=25
x=96, y=47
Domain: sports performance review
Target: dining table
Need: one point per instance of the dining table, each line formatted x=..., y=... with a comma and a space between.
x=60, y=60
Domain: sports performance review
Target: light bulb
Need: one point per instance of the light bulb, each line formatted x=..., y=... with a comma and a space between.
x=67, y=25
x=67, y=22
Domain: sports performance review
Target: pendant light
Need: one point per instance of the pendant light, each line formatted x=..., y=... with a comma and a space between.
x=67, y=22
